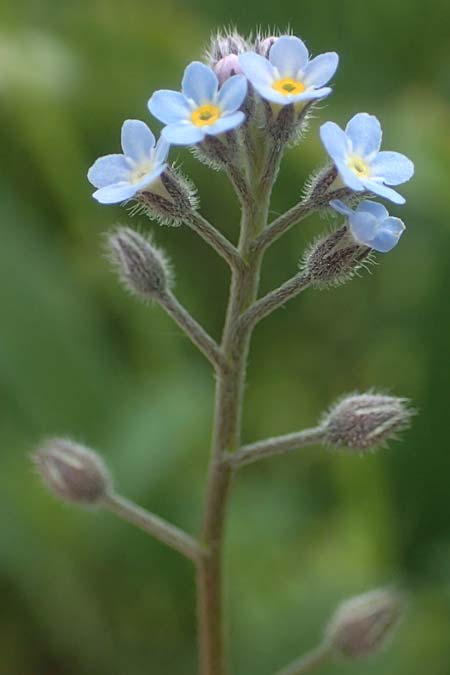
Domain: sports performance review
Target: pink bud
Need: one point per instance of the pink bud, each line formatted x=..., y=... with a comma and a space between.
x=227, y=67
x=265, y=45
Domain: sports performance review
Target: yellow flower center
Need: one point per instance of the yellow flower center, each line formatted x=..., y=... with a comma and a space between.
x=359, y=166
x=205, y=115
x=140, y=171
x=288, y=86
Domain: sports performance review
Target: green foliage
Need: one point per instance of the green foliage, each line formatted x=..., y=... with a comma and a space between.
x=84, y=594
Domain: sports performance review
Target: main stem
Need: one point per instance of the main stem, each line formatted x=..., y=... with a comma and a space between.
x=227, y=438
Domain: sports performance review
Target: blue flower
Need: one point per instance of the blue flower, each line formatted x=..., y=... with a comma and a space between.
x=361, y=165
x=288, y=76
x=202, y=108
x=371, y=225
x=120, y=177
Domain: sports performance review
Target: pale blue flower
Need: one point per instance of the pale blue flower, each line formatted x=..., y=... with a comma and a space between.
x=201, y=109
x=120, y=177
x=361, y=165
x=371, y=225
x=288, y=75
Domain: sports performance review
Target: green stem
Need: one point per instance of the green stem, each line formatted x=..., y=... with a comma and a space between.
x=310, y=661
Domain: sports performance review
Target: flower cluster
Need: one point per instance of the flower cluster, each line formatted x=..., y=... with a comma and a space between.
x=224, y=97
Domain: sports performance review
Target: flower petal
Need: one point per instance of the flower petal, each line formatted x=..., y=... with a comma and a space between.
x=107, y=170
x=334, y=140
x=183, y=133
x=169, y=106
x=375, y=208
x=289, y=55
x=232, y=93
x=383, y=191
x=392, y=168
x=199, y=83
x=161, y=150
x=364, y=227
x=257, y=69
x=114, y=194
x=149, y=178
x=320, y=69
x=349, y=177
x=137, y=140
x=364, y=131
x=340, y=207
x=311, y=94
x=388, y=235
x=226, y=123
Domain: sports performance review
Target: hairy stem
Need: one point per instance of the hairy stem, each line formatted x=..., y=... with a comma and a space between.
x=314, y=659
x=154, y=525
x=270, y=302
x=193, y=330
x=226, y=439
x=214, y=238
x=276, y=446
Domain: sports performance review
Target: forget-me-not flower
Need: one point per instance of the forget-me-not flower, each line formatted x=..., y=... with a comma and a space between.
x=287, y=75
x=120, y=177
x=361, y=165
x=201, y=109
x=371, y=225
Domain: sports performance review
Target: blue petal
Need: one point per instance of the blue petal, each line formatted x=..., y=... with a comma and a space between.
x=383, y=191
x=349, y=177
x=392, y=168
x=270, y=94
x=311, y=94
x=334, y=140
x=149, y=178
x=375, y=208
x=364, y=131
x=388, y=235
x=161, y=150
x=114, y=194
x=199, y=83
x=364, y=227
x=137, y=140
x=169, y=106
x=289, y=55
x=257, y=69
x=183, y=133
x=321, y=69
x=107, y=170
x=232, y=93
x=226, y=123
x=340, y=207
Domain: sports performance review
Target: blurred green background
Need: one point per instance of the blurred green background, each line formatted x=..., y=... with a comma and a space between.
x=82, y=593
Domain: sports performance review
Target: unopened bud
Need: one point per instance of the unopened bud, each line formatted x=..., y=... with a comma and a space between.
x=142, y=268
x=334, y=259
x=363, y=421
x=361, y=625
x=72, y=472
x=263, y=46
x=227, y=67
x=222, y=45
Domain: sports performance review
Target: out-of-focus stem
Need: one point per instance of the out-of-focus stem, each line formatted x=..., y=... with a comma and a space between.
x=154, y=525
x=309, y=662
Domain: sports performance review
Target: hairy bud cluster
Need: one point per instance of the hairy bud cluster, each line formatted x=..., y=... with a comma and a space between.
x=72, y=472
x=142, y=268
x=226, y=44
x=334, y=259
x=361, y=625
x=364, y=421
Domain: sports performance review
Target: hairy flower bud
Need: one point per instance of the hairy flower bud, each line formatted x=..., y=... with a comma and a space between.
x=360, y=625
x=142, y=268
x=363, y=421
x=264, y=45
x=72, y=472
x=222, y=45
x=227, y=67
x=333, y=260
